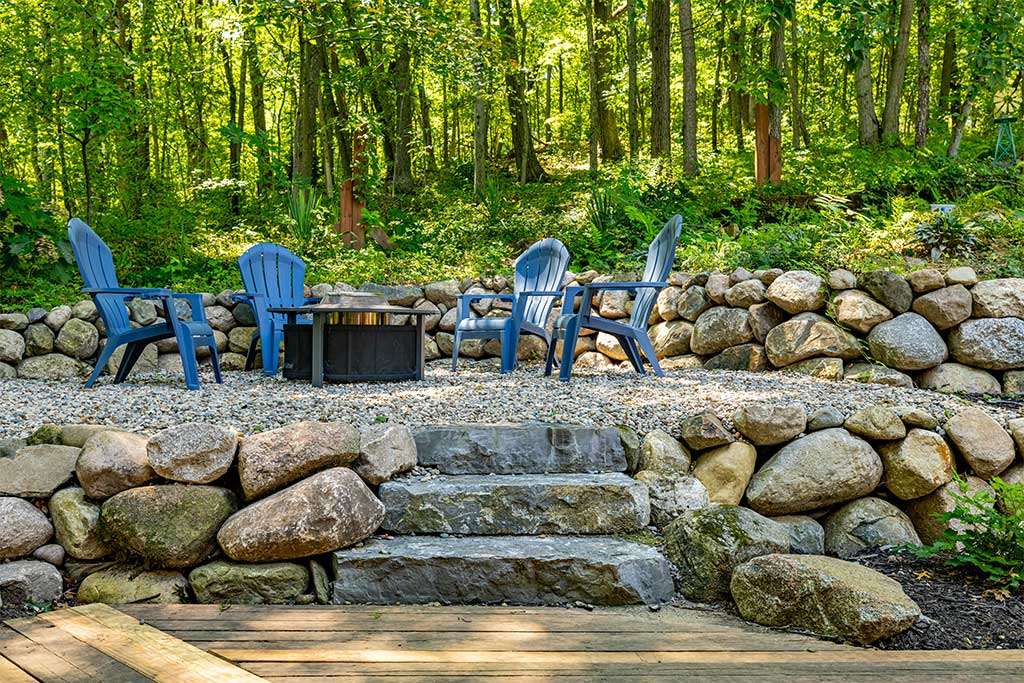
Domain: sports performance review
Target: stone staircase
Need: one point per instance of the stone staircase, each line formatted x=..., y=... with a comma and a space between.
x=522, y=514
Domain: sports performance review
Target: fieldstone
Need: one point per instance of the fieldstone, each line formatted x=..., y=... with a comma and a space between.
x=806, y=535
x=78, y=339
x=193, y=452
x=668, y=302
x=841, y=279
x=142, y=311
x=802, y=338
x=725, y=472
x=1013, y=382
x=876, y=423
x=767, y=425
x=892, y=290
x=964, y=275
x=748, y=357
x=707, y=544
x=52, y=553
x=56, y=318
x=321, y=582
x=433, y=317
x=471, y=348
x=593, y=360
x=662, y=453
x=113, y=461
x=867, y=523
x=615, y=304
x=48, y=433
x=671, y=495
x=1013, y=475
x=220, y=318
x=823, y=595
x=12, y=346
x=926, y=513
x=9, y=447
x=821, y=469
x=38, y=340
x=916, y=465
x=13, y=321
x=324, y=512
x=915, y=417
x=445, y=292
x=1016, y=428
x=8, y=371
x=716, y=286
x=122, y=584
x=703, y=431
x=630, y=442
x=768, y=276
x=859, y=311
x=239, y=338
x=797, y=291
x=37, y=471
x=671, y=338
x=24, y=528
x=490, y=570
x=690, y=361
x=740, y=274
x=869, y=373
x=397, y=295
x=989, y=343
x=77, y=434
x=907, y=342
x=29, y=581
x=76, y=523
x=822, y=368
x=268, y=461
x=148, y=361
x=951, y=378
x=230, y=583
x=244, y=314
x=1002, y=298
x=945, y=308
x=985, y=445
x=53, y=367
x=926, y=280
x=694, y=301
x=745, y=294
x=84, y=310
x=384, y=451
x=763, y=318
x=824, y=418
x=719, y=328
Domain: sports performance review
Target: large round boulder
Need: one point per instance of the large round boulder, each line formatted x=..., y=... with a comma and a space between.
x=122, y=584
x=926, y=512
x=983, y=443
x=807, y=336
x=719, y=328
x=907, y=342
x=24, y=581
x=917, y=465
x=950, y=378
x=867, y=523
x=823, y=468
x=231, y=583
x=192, y=452
x=892, y=290
x=857, y=310
x=725, y=471
x=12, y=346
x=78, y=339
x=745, y=294
x=797, y=291
x=51, y=367
x=876, y=423
x=37, y=471
x=704, y=430
x=24, y=528
x=946, y=307
x=660, y=452
x=76, y=523
x=671, y=495
x=1002, y=298
x=385, y=450
x=671, y=338
x=766, y=424
x=989, y=343
x=112, y=462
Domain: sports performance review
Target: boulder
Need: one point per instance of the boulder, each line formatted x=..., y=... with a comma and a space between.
x=703, y=431
x=916, y=465
x=915, y=417
x=985, y=445
x=694, y=301
x=964, y=275
x=671, y=338
x=671, y=495
x=706, y=545
x=8, y=371
x=1013, y=475
x=56, y=318
x=766, y=424
x=77, y=434
x=148, y=361
x=321, y=582
x=239, y=337
x=668, y=303
x=37, y=471
x=48, y=433
x=869, y=373
x=926, y=280
x=16, y=321
x=122, y=584
x=327, y=511
x=397, y=295
x=907, y=342
x=823, y=595
x=825, y=417
x=269, y=461
x=951, y=378
x=193, y=452
x=168, y=525
x=797, y=291
x=892, y=290
x=112, y=462
x=821, y=469
x=1013, y=382
x=716, y=286
x=719, y=328
x=231, y=583
x=52, y=367
x=801, y=338
x=806, y=536
x=142, y=311
x=84, y=310
x=445, y=292
x=221, y=319
x=745, y=294
x=78, y=339
x=867, y=523
x=764, y=318
x=1016, y=428
x=725, y=472
x=748, y=357
x=876, y=423
x=76, y=523
x=690, y=361
x=821, y=368
x=52, y=553
x=384, y=451
x=662, y=453
x=926, y=512
x=615, y=304
x=841, y=279
x=12, y=346
x=24, y=528
x=29, y=581
x=1002, y=298
x=630, y=442
x=945, y=308
x=989, y=343
x=859, y=311
x=38, y=340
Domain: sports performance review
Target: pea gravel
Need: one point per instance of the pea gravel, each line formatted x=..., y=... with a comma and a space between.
x=476, y=393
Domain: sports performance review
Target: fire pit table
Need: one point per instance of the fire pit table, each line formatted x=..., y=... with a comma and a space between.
x=355, y=337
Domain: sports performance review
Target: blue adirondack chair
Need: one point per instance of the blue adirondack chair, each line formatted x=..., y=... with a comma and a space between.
x=273, y=277
x=660, y=255
x=538, y=282
x=96, y=265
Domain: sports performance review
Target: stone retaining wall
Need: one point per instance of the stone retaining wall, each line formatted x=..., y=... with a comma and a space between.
x=947, y=332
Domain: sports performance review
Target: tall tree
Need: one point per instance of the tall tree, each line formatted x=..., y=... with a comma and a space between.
x=611, y=146
x=527, y=164
x=401, y=180
x=689, y=49
x=897, y=74
x=480, y=104
x=633, y=95
x=594, y=110
x=659, y=17
x=924, y=72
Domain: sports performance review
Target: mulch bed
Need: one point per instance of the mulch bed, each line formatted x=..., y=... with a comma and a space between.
x=961, y=612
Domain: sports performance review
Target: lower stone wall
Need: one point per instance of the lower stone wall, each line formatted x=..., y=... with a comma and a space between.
x=942, y=331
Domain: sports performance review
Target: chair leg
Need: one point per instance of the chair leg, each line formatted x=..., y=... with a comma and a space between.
x=128, y=360
x=187, y=351
x=550, y=361
x=648, y=349
x=270, y=343
x=572, y=333
x=101, y=362
x=215, y=359
x=509, y=348
x=632, y=353
x=455, y=349
x=250, y=355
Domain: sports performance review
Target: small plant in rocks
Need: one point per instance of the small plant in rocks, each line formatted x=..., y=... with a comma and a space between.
x=986, y=534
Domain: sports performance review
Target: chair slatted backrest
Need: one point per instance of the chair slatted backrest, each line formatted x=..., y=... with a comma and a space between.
x=661, y=254
x=96, y=266
x=276, y=273
x=541, y=268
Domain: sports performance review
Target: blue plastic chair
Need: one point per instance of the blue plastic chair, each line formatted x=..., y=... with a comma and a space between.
x=273, y=277
x=96, y=265
x=539, y=272
x=661, y=255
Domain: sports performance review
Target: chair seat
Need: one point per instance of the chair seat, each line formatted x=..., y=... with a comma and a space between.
x=483, y=324
x=198, y=329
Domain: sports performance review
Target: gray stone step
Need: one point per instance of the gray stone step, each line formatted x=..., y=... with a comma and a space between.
x=520, y=449
x=492, y=569
x=610, y=503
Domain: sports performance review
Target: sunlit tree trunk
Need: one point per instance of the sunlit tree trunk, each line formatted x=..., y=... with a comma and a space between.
x=611, y=146
x=689, y=50
x=659, y=17
x=402, y=73
x=480, y=106
x=897, y=74
x=867, y=119
x=633, y=106
x=923, y=73
x=527, y=164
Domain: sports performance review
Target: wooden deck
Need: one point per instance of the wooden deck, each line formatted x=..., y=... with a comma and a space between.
x=211, y=644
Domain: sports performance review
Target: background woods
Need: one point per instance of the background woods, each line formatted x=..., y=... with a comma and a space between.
x=188, y=129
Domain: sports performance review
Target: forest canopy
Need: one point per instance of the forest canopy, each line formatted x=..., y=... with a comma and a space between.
x=186, y=131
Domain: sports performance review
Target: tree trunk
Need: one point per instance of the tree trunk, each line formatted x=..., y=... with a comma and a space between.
x=547, y=103
x=259, y=110
x=716, y=103
x=897, y=74
x=633, y=106
x=480, y=106
x=594, y=129
x=527, y=164
x=777, y=60
x=426, y=130
x=867, y=119
x=304, y=144
x=401, y=181
x=689, y=49
x=337, y=110
x=924, y=72
x=659, y=17
x=235, y=140
x=946, y=103
x=735, y=97
x=799, y=125
x=958, y=129
x=611, y=146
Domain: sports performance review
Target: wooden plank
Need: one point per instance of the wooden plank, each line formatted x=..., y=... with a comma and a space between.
x=12, y=673
x=156, y=655
x=91, y=661
x=38, y=661
x=599, y=677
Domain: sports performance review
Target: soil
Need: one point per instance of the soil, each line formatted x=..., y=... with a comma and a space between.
x=960, y=611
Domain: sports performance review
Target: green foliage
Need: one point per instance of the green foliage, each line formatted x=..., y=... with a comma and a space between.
x=947, y=235
x=989, y=537
x=303, y=206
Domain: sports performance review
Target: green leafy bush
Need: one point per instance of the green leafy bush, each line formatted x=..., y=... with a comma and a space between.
x=989, y=536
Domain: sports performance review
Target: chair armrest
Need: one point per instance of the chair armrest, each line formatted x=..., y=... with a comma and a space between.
x=626, y=285
x=541, y=292
x=196, y=302
x=569, y=295
x=464, y=300
x=129, y=292
x=310, y=300
x=243, y=297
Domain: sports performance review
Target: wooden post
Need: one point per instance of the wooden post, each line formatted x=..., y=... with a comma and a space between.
x=767, y=149
x=350, y=223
